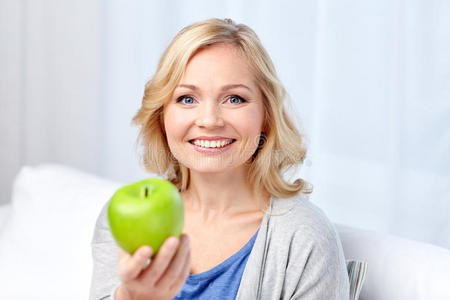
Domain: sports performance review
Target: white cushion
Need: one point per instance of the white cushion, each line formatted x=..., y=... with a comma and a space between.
x=398, y=268
x=5, y=209
x=45, y=245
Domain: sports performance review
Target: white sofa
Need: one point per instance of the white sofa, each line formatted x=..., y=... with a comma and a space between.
x=45, y=236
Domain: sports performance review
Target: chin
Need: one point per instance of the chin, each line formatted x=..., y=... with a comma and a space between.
x=211, y=167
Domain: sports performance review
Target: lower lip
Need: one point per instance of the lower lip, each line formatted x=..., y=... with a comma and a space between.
x=212, y=150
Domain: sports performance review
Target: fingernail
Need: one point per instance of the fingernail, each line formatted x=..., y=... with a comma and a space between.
x=173, y=243
x=146, y=251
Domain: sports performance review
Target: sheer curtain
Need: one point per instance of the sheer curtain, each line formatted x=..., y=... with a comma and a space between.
x=49, y=85
x=381, y=125
x=369, y=86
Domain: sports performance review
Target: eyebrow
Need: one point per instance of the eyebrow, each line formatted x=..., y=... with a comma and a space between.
x=224, y=88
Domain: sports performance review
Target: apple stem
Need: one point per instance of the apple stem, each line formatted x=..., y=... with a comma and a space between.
x=146, y=192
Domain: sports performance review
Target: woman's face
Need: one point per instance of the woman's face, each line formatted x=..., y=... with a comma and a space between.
x=214, y=118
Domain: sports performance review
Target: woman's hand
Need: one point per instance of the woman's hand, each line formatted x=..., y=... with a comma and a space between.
x=162, y=279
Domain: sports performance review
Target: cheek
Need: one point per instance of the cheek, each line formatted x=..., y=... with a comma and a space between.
x=250, y=128
x=174, y=124
x=249, y=125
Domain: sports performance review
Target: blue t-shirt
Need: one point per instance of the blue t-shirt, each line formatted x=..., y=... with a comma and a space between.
x=220, y=282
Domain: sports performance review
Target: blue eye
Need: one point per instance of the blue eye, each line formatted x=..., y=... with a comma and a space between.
x=189, y=99
x=236, y=99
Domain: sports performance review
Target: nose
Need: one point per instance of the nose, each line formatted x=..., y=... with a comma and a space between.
x=209, y=115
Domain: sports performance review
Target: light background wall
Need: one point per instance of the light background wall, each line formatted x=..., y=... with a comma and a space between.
x=369, y=83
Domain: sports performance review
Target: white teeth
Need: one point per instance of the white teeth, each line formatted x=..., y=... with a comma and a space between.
x=211, y=144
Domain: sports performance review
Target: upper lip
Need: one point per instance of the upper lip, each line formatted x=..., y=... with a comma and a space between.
x=211, y=138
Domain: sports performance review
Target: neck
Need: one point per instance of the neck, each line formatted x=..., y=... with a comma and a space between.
x=222, y=195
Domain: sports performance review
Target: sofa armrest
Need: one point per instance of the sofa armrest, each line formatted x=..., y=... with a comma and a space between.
x=398, y=268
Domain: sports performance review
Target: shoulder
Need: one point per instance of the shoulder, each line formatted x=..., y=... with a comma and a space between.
x=102, y=233
x=301, y=239
x=298, y=218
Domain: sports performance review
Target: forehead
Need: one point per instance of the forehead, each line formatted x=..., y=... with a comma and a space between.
x=218, y=64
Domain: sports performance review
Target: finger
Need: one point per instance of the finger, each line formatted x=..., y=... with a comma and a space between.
x=123, y=257
x=161, y=261
x=123, y=254
x=131, y=266
x=176, y=265
x=183, y=275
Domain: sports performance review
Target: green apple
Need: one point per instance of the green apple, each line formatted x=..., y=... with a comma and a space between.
x=146, y=212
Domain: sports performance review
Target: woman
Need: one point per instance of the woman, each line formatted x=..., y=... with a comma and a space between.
x=213, y=123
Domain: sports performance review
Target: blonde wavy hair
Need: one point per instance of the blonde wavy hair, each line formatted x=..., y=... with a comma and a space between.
x=281, y=147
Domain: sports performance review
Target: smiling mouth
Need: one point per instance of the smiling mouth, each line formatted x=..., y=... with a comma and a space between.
x=212, y=144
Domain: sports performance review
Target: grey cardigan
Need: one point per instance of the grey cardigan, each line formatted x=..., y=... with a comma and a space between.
x=297, y=255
